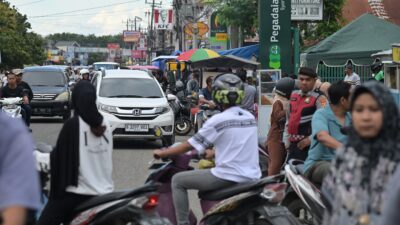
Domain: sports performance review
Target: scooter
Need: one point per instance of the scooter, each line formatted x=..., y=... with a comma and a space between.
x=303, y=198
x=135, y=206
x=247, y=203
x=183, y=124
x=11, y=107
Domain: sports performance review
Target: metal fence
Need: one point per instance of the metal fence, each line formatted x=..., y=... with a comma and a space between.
x=330, y=73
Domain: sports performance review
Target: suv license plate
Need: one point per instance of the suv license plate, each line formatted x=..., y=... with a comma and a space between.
x=136, y=127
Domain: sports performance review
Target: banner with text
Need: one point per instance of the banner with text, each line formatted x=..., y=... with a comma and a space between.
x=163, y=19
x=275, y=35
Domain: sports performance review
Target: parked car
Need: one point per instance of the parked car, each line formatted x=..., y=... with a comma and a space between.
x=134, y=103
x=105, y=65
x=51, y=92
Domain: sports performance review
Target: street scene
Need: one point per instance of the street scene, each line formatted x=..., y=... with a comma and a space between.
x=199, y=112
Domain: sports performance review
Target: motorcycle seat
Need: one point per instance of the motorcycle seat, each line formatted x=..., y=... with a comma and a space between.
x=220, y=194
x=101, y=199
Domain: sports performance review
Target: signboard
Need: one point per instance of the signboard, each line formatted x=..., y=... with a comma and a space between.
x=267, y=80
x=396, y=53
x=142, y=44
x=198, y=28
x=131, y=36
x=138, y=54
x=163, y=19
x=218, y=45
x=216, y=26
x=221, y=36
x=307, y=9
x=112, y=50
x=275, y=35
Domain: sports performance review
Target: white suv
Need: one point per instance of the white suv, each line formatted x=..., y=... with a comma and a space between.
x=134, y=103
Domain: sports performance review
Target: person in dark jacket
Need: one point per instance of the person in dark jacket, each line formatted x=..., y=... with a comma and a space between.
x=81, y=163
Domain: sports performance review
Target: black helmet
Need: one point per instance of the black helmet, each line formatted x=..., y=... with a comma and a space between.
x=228, y=89
x=376, y=67
x=285, y=86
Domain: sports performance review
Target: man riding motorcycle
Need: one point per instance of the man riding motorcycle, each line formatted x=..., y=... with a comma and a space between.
x=12, y=90
x=234, y=135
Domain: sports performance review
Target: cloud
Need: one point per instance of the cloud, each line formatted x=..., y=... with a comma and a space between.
x=114, y=20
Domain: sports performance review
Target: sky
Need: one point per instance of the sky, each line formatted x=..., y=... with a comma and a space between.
x=99, y=17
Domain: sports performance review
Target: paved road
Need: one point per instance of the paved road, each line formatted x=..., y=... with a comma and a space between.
x=130, y=158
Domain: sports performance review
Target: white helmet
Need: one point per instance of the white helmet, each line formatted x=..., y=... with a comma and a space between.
x=84, y=71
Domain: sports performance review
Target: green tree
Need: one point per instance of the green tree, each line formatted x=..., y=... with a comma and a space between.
x=87, y=40
x=239, y=13
x=17, y=45
x=96, y=57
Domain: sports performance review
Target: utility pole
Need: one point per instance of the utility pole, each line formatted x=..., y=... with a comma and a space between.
x=150, y=40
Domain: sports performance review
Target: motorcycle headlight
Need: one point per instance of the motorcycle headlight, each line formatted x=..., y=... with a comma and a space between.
x=107, y=108
x=162, y=110
x=63, y=96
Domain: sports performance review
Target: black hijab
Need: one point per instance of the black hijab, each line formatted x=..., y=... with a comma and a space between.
x=387, y=143
x=64, y=160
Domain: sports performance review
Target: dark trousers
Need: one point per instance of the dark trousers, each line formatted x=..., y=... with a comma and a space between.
x=296, y=153
x=28, y=113
x=60, y=210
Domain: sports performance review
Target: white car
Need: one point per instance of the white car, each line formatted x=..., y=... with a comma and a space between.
x=105, y=65
x=134, y=104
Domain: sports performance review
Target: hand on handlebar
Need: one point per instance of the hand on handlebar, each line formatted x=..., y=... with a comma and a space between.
x=158, y=154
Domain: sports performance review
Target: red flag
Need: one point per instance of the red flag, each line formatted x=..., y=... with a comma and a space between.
x=156, y=14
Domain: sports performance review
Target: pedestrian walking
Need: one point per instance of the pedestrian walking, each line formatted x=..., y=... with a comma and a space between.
x=351, y=77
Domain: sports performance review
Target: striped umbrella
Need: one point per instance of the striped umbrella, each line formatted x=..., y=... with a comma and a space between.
x=197, y=54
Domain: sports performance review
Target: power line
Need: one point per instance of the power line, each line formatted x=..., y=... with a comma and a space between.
x=30, y=3
x=80, y=10
x=87, y=14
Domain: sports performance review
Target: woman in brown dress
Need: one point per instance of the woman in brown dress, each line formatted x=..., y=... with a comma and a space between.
x=280, y=107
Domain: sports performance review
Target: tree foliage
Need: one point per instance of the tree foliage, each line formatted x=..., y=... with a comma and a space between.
x=87, y=40
x=18, y=46
x=332, y=21
x=240, y=13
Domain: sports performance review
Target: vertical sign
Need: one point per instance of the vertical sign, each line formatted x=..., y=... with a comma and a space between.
x=275, y=34
x=219, y=34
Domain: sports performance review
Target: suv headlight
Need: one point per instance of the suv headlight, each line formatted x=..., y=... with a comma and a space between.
x=63, y=96
x=162, y=110
x=107, y=108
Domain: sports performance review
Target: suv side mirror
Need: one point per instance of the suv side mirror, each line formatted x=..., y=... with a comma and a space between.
x=171, y=97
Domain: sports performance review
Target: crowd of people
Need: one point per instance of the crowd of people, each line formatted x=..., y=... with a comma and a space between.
x=345, y=132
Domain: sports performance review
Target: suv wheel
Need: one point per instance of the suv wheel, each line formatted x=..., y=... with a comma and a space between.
x=168, y=140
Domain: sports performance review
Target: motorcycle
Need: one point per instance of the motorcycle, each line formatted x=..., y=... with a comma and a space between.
x=245, y=203
x=183, y=124
x=11, y=107
x=134, y=206
x=303, y=198
x=203, y=115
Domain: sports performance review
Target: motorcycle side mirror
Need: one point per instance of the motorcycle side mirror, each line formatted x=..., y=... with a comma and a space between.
x=171, y=97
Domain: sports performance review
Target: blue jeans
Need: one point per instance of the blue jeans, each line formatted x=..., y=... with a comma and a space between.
x=28, y=112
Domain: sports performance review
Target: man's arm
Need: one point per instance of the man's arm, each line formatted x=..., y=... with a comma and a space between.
x=14, y=215
x=327, y=140
x=175, y=150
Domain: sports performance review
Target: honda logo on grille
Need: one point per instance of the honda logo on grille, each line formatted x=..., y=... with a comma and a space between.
x=136, y=112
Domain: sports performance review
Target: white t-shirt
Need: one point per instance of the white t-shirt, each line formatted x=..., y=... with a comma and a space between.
x=353, y=79
x=95, y=162
x=234, y=135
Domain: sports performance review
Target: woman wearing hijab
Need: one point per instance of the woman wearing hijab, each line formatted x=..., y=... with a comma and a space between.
x=81, y=163
x=280, y=107
x=356, y=185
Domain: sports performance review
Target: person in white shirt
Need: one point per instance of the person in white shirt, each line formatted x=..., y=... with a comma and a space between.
x=234, y=136
x=351, y=77
x=81, y=163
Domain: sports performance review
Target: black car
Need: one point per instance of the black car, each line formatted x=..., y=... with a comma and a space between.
x=51, y=92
